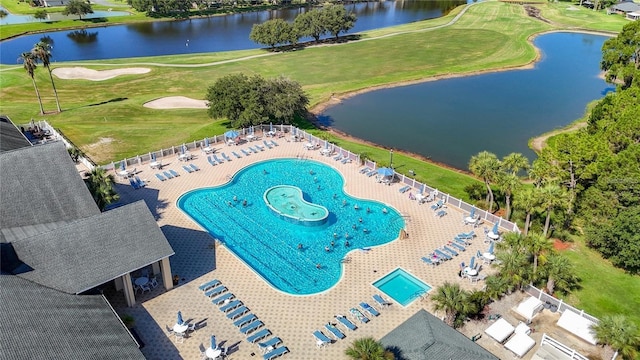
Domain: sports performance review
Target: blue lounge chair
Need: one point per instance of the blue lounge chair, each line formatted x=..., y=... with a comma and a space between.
x=458, y=246
x=220, y=299
x=133, y=184
x=275, y=353
x=404, y=189
x=382, y=302
x=209, y=284
x=160, y=177
x=441, y=213
x=215, y=291
x=437, y=205
x=470, y=235
x=370, y=309
x=211, y=161
x=346, y=160
x=230, y=306
x=259, y=335
x=187, y=169
x=245, y=152
x=142, y=184
x=168, y=175
x=259, y=147
x=194, y=167
x=450, y=251
x=364, y=170
x=371, y=173
x=321, y=338
x=217, y=159
x=339, y=335
x=338, y=157
x=236, y=154
x=237, y=313
x=253, y=150
x=428, y=261
x=244, y=320
x=224, y=156
x=253, y=326
x=358, y=315
x=274, y=143
x=266, y=144
x=442, y=254
x=271, y=343
x=346, y=322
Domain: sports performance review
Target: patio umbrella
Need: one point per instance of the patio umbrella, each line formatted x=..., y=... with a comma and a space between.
x=490, y=250
x=495, y=229
x=213, y=342
x=231, y=134
x=385, y=172
x=180, y=318
x=123, y=165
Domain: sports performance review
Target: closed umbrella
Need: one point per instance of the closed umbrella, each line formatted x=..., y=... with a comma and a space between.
x=490, y=250
x=271, y=127
x=495, y=229
x=473, y=212
x=472, y=263
x=180, y=321
x=153, y=157
x=183, y=149
x=206, y=142
x=123, y=165
x=213, y=342
x=385, y=172
x=326, y=144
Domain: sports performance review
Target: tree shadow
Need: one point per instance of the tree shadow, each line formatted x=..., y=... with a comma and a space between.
x=108, y=101
x=397, y=353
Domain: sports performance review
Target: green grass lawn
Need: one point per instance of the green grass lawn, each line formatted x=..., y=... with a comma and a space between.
x=575, y=16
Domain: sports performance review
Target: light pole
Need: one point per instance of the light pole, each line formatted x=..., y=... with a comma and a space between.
x=391, y=160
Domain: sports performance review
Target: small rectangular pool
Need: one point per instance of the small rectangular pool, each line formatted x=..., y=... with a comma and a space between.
x=402, y=287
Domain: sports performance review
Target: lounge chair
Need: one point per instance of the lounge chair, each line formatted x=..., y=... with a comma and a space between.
x=258, y=335
x=160, y=177
x=133, y=184
x=457, y=246
x=230, y=306
x=245, y=152
x=429, y=261
x=174, y=173
x=167, y=175
x=467, y=236
x=271, y=343
x=404, y=189
x=237, y=313
x=236, y=155
x=194, y=167
x=382, y=302
x=209, y=284
x=442, y=254
x=266, y=144
x=253, y=326
x=338, y=157
x=450, y=251
x=275, y=353
x=224, y=156
x=253, y=150
x=370, y=309
x=441, y=213
x=321, y=338
x=211, y=161
x=220, y=299
x=244, y=320
x=358, y=315
x=346, y=322
x=140, y=183
x=215, y=291
x=365, y=170
x=274, y=143
x=260, y=147
x=371, y=173
x=346, y=160
x=217, y=159
x=339, y=335
x=187, y=169
x=437, y=205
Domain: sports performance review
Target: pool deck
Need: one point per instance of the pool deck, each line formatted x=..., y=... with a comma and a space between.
x=292, y=318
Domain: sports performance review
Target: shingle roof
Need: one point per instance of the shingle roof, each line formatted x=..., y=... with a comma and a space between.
x=626, y=7
x=88, y=252
x=36, y=322
x=10, y=137
x=40, y=185
x=423, y=336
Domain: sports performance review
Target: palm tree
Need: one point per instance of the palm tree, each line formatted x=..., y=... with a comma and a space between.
x=514, y=267
x=619, y=333
x=42, y=52
x=453, y=300
x=495, y=286
x=541, y=172
x=486, y=166
x=101, y=187
x=508, y=182
x=368, y=349
x=526, y=200
x=515, y=162
x=560, y=273
x=29, y=64
x=537, y=244
x=550, y=196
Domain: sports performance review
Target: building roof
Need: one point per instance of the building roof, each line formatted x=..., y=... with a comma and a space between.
x=11, y=137
x=627, y=6
x=40, y=185
x=38, y=322
x=88, y=252
x=423, y=336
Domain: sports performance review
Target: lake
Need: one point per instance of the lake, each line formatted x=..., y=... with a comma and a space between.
x=219, y=33
x=451, y=120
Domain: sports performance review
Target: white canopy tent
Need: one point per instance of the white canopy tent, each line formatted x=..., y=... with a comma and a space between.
x=577, y=325
x=529, y=308
x=520, y=344
x=500, y=330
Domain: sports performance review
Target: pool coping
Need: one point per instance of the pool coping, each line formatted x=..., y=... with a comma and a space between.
x=410, y=274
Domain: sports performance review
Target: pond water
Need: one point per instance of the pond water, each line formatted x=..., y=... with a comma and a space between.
x=11, y=19
x=220, y=33
x=451, y=120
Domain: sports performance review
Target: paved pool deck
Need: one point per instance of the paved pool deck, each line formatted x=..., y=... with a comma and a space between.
x=199, y=258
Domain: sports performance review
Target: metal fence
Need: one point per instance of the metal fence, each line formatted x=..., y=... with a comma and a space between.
x=559, y=303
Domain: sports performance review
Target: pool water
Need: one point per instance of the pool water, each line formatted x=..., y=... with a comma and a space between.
x=402, y=287
x=291, y=257
x=288, y=202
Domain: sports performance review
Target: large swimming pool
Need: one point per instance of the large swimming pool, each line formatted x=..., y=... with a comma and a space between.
x=291, y=257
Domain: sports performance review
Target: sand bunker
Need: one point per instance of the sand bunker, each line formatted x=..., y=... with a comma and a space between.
x=95, y=75
x=176, y=102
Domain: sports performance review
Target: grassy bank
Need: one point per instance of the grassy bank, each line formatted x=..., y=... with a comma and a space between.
x=575, y=16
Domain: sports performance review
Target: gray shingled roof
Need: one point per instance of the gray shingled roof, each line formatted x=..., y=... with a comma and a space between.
x=36, y=323
x=626, y=7
x=88, y=252
x=423, y=336
x=11, y=137
x=40, y=185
